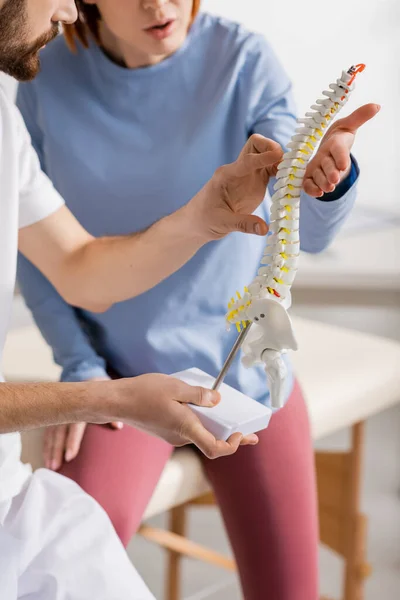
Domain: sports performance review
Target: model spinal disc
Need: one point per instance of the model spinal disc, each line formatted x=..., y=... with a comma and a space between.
x=266, y=299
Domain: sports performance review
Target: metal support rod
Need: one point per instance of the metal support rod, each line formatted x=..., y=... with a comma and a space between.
x=239, y=341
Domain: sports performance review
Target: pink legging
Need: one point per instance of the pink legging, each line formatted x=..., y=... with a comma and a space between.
x=266, y=493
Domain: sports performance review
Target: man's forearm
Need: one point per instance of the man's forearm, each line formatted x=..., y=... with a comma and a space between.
x=31, y=405
x=94, y=274
x=109, y=270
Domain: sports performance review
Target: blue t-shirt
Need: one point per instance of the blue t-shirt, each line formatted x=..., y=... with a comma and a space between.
x=127, y=147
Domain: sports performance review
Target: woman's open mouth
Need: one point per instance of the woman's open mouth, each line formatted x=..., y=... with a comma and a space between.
x=162, y=30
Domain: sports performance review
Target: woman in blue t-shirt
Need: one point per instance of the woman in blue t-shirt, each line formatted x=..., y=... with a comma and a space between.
x=132, y=113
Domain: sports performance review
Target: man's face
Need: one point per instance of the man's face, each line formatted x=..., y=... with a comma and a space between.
x=25, y=27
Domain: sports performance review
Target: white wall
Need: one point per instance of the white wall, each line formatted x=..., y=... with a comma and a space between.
x=315, y=43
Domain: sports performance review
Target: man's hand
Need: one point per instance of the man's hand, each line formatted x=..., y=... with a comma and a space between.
x=227, y=201
x=61, y=443
x=79, y=265
x=153, y=403
x=157, y=404
x=332, y=162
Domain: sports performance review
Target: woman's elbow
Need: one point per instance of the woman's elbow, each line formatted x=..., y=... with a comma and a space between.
x=315, y=246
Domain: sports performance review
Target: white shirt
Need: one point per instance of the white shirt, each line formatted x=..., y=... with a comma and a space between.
x=26, y=197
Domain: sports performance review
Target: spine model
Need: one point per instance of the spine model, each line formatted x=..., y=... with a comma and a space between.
x=265, y=301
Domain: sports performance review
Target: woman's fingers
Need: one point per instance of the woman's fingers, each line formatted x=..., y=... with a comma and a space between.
x=58, y=447
x=48, y=445
x=73, y=440
x=321, y=181
x=311, y=188
x=330, y=170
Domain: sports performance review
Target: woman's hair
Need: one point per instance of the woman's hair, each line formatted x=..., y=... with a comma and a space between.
x=87, y=24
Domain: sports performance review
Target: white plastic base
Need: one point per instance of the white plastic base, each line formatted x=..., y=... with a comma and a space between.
x=235, y=412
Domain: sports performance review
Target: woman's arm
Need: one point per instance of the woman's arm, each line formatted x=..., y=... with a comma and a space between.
x=56, y=319
x=59, y=326
x=272, y=113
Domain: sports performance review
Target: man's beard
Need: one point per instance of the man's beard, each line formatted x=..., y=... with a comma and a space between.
x=18, y=58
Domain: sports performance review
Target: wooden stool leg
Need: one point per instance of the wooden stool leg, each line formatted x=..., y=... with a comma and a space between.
x=342, y=526
x=356, y=567
x=177, y=524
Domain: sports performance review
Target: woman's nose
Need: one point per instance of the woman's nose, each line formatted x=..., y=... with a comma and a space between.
x=154, y=3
